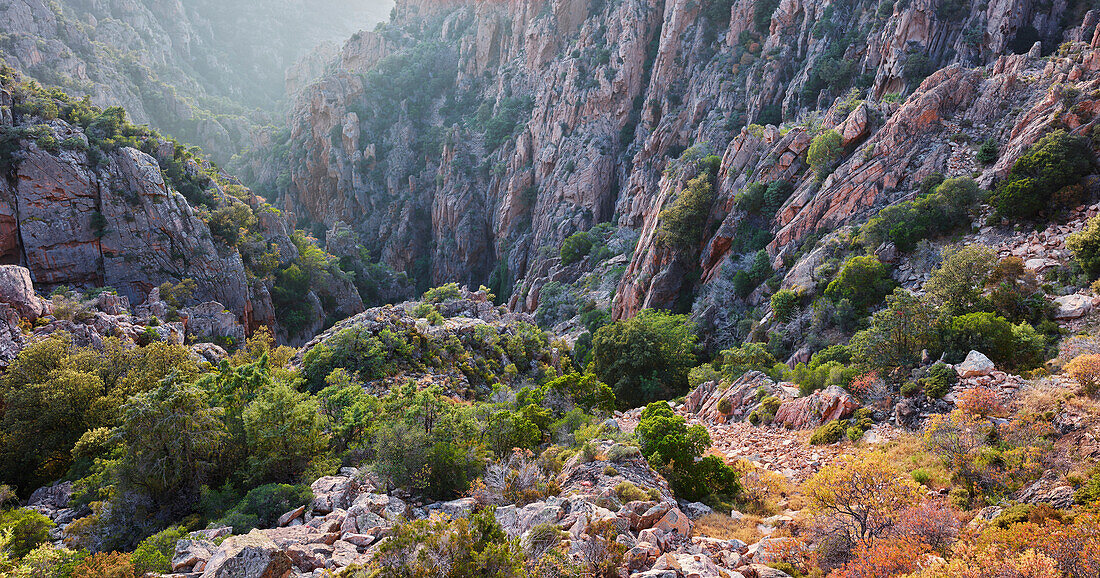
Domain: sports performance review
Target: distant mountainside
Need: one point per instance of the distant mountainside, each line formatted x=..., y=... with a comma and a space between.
x=206, y=72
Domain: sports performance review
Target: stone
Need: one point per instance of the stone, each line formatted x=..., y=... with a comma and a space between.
x=651, y=516
x=1050, y=489
x=253, y=555
x=291, y=515
x=818, y=408
x=975, y=365
x=696, y=510
x=1072, y=306
x=675, y=521
x=332, y=492
x=460, y=508
x=190, y=552
x=17, y=290
x=762, y=571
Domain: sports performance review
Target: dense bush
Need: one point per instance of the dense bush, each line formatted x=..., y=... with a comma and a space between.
x=863, y=280
x=355, y=349
x=682, y=222
x=1015, y=346
x=1043, y=179
x=987, y=152
x=939, y=212
x=262, y=506
x=897, y=335
x=1085, y=245
x=645, y=358
x=28, y=529
x=668, y=444
x=784, y=303
x=957, y=286
x=448, y=292
x=939, y=380
x=824, y=152
x=829, y=433
x=154, y=554
x=576, y=247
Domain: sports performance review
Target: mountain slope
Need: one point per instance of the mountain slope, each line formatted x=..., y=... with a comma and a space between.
x=466, y=141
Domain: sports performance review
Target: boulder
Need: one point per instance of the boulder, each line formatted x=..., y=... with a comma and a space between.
x=212, y=320
x=653, y=515
x=1072, y=306
x=762, y=571
x=1050, y=489
x=192, y=554
x=675, y=521
x=460, y=508
x=696, y=510
x=17, y=290
x=333, y=492
x=290, y=516
x=813, y=410
x=253, y=555
x=975, y=365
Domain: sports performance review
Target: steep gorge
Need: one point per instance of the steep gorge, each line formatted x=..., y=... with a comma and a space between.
x=464, y=141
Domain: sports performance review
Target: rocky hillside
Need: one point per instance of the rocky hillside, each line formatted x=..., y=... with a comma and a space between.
x=530, y=121
x=201, y=71
x=88, y=200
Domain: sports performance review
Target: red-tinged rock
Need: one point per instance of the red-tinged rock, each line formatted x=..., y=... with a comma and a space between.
x=820, y=407
x=675, y=521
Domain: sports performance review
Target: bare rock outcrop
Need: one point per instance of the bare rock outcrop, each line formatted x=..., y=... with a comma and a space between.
x=823, y=406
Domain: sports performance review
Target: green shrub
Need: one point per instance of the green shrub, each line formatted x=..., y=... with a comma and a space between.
x=910, y=388
x=751, y=200
x=988, y=152
x=702, y=374
x=355, y=349
x=1043, y=179
x=864, y=280
x=725, y=406
x=750, y=356
x=28, y=529
x=645, y=358
x=935, y=213
x=262, y=506
x=576, y=247
x=682, y=222
x=1085, y=245
x=775, y=195
x=1089, y=492
x=941, y=377
x=1014, y=346
x=154, y=554
x=671, y=446
x=825, y=150
x=628, y=492
x=829, y=433
x=448, y=292
x=784, y=303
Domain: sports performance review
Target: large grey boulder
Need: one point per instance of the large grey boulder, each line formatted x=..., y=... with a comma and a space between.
x=253, y=555
x=975, y=365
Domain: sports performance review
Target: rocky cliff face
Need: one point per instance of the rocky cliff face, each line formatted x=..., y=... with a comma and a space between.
x=465, y=141
x=196, y=69
x=88, y=200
